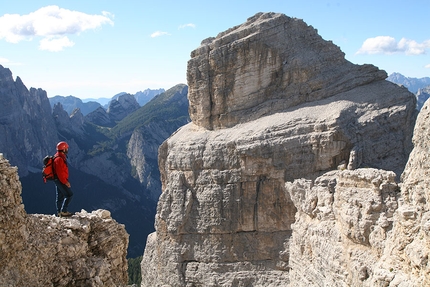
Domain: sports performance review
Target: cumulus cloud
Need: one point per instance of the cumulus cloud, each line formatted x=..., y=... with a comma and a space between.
x=4, y=60
x=158, y=34
x=51, y=23
x=55, y=44
x=389, y=45
x=189, y=25
x=7, y=62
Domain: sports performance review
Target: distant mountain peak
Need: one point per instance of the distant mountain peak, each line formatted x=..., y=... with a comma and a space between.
x=70, y=103
x=412, y=84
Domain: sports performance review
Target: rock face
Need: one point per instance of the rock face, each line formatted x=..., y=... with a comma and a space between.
x=24, y=108
x=118, y=109
x=361, y=228
x=100, y=117
x=142, y=148
x=422, y=96
x=71, y=103
x=341, y=228
x=122, y=106
x=413, y=84
x=66, y=124
x=142, y=97
x=409, y=245
x=266, y=65
x=275, y=111
x=88, y=249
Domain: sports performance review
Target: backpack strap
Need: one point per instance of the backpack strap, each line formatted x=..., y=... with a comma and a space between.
x=53, y=166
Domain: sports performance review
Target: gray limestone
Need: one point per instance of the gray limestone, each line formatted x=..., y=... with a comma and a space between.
x=273, y=105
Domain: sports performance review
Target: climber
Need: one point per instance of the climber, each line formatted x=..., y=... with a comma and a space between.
x=62, y=185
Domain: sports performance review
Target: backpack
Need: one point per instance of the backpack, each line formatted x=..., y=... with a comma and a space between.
x=48, y=172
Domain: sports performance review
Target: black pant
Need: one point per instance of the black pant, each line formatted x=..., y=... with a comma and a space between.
x=63, y=196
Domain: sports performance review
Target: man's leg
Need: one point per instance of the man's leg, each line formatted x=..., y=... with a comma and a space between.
x=64, y=196
x=68, y=194
x=59, y=198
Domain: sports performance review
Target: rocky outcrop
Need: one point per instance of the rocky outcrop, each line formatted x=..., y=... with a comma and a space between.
x=276, y=110
x=412, y=84
x=142, y=150
x=68, y=125
x=122, y=106
x=87, y=249
x=408, y=247
x=341, y=227
x=422, y=96
x=167, y=112
x=71, y=103
x=143, y=97
x=361, y=228
x=24, y=108
x=100, y=117
x=266, y=65
x=118, y=109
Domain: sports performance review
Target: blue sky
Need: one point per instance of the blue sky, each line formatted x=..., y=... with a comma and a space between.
x=98, y=48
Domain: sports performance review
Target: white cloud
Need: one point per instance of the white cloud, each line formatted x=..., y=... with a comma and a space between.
x=4, y=61
x=108, y=15
x=7, y=62
x=49, y=22
x=190, y=25
x=427, y=66
x=55, y=44
x=158, y=34
x=388, y=45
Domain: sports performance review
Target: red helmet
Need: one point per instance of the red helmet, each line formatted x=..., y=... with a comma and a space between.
x=62, y=146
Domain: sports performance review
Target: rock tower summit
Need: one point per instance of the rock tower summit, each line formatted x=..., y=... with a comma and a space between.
x=268, y=64
x=272, y=104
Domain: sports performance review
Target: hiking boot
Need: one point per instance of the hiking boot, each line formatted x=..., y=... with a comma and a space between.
x=65, y=214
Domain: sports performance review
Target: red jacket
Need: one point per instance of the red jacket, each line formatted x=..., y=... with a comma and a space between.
x=60, y=167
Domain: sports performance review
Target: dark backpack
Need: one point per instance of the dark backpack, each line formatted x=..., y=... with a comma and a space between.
x=48, y=171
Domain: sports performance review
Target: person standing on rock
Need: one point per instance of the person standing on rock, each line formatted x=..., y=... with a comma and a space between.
x=63, y=189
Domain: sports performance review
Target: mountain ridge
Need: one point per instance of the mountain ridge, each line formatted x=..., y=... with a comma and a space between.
x=412, y=84
x=70, y=103
x=104, y=171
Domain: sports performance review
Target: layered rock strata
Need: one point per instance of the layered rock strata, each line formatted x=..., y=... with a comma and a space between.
x=87, y=249
x=361, y=228
x=341, y=228
x=268, y=64
x=272, y=102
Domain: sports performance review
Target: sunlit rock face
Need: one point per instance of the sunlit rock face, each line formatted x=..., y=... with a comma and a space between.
x=269, y=63
x=361, y=227
x=278, y=116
